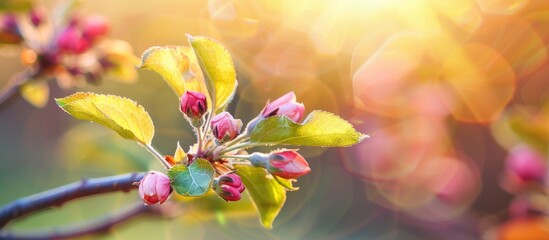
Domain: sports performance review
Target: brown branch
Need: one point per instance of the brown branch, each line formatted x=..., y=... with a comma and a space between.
x=97, y=226
x=10, y=89
x=58, y=196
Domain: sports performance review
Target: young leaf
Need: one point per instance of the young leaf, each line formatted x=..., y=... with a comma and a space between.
x=218, y=69
x=180, y=156
x=36, y=93
x=177, y=65
x=194, y=180
x=286, y=183
x=267, y=194
x=319, y=129
x=122, y=115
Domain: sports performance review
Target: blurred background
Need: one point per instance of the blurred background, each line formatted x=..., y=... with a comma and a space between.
x=454, y=94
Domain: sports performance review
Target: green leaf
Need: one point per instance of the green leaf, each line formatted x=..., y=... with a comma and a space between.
x=218, y=69
x=180, y=156
x=122, y=115
x=178, y=67
x=319, y=129
x=194, y=180
x=15, y=5
x=286, y=183
x=267, y=194
x=528, y=131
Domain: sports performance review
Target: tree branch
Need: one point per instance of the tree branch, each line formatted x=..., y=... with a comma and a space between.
x=13, y=85
x=60, y=195
x=100, y=225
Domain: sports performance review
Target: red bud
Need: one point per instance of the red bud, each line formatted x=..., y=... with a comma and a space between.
x=193, y=104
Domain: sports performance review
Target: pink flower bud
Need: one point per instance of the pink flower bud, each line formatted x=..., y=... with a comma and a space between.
x=225, y=127
x=155, y=188
x=9, y=29
x=287, y=164
x=95, y=27
x=527, y=164
x=71, y=41
x=229, y=187
x=285, y=105
x=37, y=16
x=193, y=104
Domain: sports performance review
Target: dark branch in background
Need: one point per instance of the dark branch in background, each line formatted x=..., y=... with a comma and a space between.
x=60, y=195
x=100, y=225
x=10, y=89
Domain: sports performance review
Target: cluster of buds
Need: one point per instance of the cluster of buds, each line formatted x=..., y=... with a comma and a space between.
x=525, y=175
x=80, y=34
x=222, y=141
x=9, y=30
x=74, y=51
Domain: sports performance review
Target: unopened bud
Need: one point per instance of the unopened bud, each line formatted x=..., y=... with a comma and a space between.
x=37, y=16
x=229, y=187
x=285, y=105
x=225, y=127
x=287, y=164
x=155, y=188
x=9, y=30
x=95, y=27
x=527, y=164
x=193, y=104
x=71, y=41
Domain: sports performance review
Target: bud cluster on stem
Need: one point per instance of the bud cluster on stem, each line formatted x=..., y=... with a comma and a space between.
x=73, y=52
x=223, y=141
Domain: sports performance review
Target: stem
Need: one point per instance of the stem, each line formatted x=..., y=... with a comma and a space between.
x=199, y=138
x=242, y=146
x=242, y=137
x=58, y=196
x=11, y=88
x=236, y=156
x=210, y=116
x=157, y=155
x=96, y=226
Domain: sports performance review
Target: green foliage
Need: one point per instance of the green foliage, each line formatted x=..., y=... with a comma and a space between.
x=218, y=69
x=36, y=92
x=207, y=67
x=319, y=129
x=267, y=194
x=194, y=180
x=172, y=63
x=15, y=5
x=533, y=134
x=286, y=183
x=122, y=115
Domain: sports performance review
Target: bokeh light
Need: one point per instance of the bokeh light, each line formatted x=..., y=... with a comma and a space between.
x=445, y=89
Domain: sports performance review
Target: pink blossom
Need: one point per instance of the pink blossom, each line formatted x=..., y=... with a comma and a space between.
x=527, y=164
x=193, y=104
x=285, y=105
x=95, y=27
x=72, y=41
x=229, y=187
x=155, y=188
x=225, y=127
x=287, y=164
